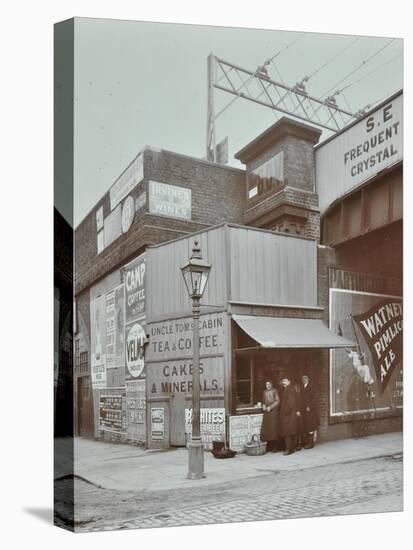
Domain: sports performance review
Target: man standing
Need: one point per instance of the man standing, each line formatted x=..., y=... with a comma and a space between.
x=309, y=408
x=288, y=416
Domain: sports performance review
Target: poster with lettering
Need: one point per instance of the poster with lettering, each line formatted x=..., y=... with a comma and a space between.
x=112, y=410
x=110, y=330
x=157, y=423
x=382, y=328
x=119, y=326
x=134, y=278
x=212, y=426
x=135, y=337
x=98, y=341
x=135, y=410
x=349, y=391
x=169, y=200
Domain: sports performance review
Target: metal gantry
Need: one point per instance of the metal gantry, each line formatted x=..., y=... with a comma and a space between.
x=258, y=87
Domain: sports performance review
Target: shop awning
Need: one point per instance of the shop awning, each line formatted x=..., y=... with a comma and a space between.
x=282, y=332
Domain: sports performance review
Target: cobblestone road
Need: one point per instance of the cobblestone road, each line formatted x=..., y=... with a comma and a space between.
x=363, y=486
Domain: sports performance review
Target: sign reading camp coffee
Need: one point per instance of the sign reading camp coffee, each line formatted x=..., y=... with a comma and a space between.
x=135, y=361
x=134, y=276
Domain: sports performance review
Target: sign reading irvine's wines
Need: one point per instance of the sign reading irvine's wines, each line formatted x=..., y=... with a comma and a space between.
x=382, y=328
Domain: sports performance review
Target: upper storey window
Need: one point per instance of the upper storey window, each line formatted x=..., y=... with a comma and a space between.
x=269, y=175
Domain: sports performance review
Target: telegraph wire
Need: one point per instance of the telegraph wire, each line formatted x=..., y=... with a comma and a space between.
x=357, y=68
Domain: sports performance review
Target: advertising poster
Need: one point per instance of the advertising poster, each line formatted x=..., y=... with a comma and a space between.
x=135, y=338
x=135, y=409
x=169, y=200
x=110, y=330
x=98, y=342
x=375, y=382
x=119, y=326
x=157, y=423
x=241, y=430
x=212, y=426
x=112, y=410
x=134, y=278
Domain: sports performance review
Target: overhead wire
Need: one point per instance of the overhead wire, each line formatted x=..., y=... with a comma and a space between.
x=357, y=68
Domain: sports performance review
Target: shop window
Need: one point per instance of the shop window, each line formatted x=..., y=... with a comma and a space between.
x=244, y=383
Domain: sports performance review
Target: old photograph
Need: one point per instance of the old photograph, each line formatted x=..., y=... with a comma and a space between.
x=228, y=294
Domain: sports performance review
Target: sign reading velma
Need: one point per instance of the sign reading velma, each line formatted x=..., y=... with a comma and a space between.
x=169, y=200
x=360, y=152
x=135, y=339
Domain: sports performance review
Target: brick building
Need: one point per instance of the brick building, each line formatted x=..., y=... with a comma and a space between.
x=279, y=262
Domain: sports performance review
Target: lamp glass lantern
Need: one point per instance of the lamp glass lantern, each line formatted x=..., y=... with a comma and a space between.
x=196, y=272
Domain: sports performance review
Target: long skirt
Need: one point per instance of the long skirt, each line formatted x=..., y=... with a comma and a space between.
x=269, y=427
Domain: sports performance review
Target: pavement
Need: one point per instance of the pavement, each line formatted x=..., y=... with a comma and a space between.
x=128, y=468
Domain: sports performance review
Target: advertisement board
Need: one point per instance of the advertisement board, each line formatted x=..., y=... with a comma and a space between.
x=360, y=152
x=157, y=423
x=134, y=281
x=98, y=342
x=135, y=337
x=212, y=426
x=119, y=326
x=359, y=386
x=135, y=409
x=112, y=410
x=241, y=430
x=169, y=200
x=127, y=181
x=110, y=330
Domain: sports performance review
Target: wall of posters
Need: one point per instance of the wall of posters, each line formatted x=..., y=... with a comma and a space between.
x=350, y=393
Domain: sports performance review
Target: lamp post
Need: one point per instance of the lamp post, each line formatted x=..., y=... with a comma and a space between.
x=196, y=273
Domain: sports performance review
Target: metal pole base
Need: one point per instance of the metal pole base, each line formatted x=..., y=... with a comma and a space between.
x=196, y=459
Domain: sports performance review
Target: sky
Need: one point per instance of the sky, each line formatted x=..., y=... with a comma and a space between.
x=140, y=83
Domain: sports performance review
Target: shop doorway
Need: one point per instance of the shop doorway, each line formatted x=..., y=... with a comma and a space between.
x=177, y=426
x=84, y=407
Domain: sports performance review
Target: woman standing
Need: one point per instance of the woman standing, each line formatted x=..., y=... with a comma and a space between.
x=269, y=428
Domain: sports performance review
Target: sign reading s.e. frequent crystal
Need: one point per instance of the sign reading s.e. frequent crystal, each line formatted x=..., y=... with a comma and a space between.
x=169, y=200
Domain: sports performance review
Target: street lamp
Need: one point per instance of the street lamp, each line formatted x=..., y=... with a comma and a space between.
x=195, y=274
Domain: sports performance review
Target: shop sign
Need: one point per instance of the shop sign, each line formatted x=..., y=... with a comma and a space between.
x=112, y=410
x=169, y=200
x=98, y=342
x=135, y=337
x=382, y=328
x=212, y=426
x=134, y=278
x=241, y=430
x=173, y=339
x=127, y=181
x=128, y=212
x=359, y=316
x=360, y=152
x=175, y=377
x=136, y=409
x=157, y=423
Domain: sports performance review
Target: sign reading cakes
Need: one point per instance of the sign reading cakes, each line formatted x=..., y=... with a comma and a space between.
x=134, y=277
x=169, y=200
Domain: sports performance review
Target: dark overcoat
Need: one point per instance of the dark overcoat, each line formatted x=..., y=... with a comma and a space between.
x=288, y=418
x=269, y=427
x=309, y=408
